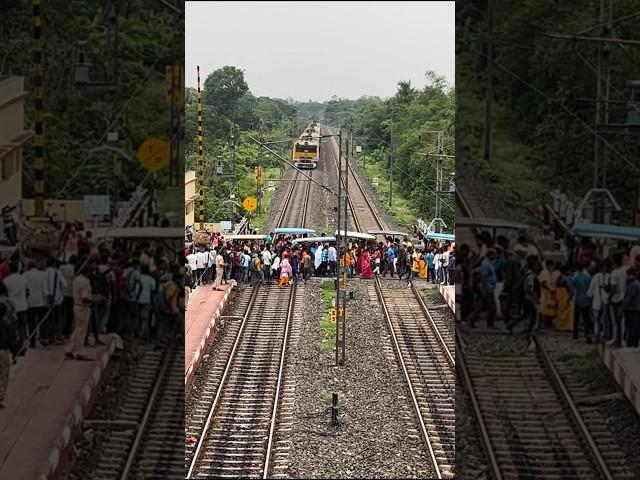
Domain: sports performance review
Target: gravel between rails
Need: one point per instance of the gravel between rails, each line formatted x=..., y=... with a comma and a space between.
x=377, y=435
x=581, y=363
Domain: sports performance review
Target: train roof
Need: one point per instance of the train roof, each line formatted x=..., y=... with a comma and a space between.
x=293, y=231
x=360, y=235
x=313, y=240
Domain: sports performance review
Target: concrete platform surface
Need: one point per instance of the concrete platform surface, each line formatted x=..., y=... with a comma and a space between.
x=46, y=401
x=624, y=364
x=201, y=324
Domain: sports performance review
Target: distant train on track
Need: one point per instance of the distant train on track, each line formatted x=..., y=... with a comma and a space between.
x=306, y=149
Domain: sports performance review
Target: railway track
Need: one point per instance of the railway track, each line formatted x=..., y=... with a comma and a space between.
x=235, y=420
x=296, y=204
x=146, y=439
x=425, y=354
x=529, y=424
x=363, y=215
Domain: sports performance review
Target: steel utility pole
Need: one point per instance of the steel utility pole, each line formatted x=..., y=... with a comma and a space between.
x=603, y=83
x=489, y=87
x=339, y=242
x=391, y=169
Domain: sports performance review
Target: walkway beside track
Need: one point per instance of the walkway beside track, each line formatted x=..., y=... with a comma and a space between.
x=624, y=365
x=46, y=402
x=202, y=320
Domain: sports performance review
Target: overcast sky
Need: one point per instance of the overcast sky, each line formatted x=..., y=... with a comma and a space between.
x=313, y=50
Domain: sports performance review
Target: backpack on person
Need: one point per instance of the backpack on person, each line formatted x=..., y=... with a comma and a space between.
x=159, y=302
x=100, y=283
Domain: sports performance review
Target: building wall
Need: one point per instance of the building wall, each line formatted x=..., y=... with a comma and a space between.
x=12, y=137
x=189, y=197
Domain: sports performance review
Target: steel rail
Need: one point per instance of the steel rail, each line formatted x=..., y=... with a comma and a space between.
x=435, y=328
x=274, y=414
x=153, y=399
x=350, y=202
x=573, y=409
x=485, y=439
x=414, y=399
x=201, y=440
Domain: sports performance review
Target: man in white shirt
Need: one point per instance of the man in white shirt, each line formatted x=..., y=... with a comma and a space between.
x=266, y=264
x=83, y=299
x=210, y=261
x=333, y=260
x=192, y=260
x=55, y=286
x=444, y=265
x=36, y=303
x=68, y=271
x=200, y=263
x=618, y=290
x=219, y=272
x=16, y=285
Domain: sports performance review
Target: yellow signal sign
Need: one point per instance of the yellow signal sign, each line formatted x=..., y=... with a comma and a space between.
x=153, y=154
x=250, y=204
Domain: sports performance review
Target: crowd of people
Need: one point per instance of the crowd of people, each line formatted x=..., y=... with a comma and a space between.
x=76, y=296
x=589, y=295
x=278, y=259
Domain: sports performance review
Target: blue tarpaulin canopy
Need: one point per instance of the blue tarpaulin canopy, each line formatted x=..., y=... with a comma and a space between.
x=617, y=232
x=440, y=236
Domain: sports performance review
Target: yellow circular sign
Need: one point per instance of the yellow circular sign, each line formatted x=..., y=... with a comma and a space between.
x=153, y=154
x=250, y=204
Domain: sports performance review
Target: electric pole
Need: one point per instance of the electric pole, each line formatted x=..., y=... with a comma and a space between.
x=489, y=86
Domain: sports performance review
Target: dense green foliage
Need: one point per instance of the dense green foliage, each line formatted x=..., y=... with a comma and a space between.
x=76, y=120
x=409, y=115
x=544, y=98
x=229, y=108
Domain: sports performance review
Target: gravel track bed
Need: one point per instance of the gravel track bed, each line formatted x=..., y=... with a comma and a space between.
x=388, y=221
x=107, y=407
x=376, y=436
x=432, y=298
x=483, y=198
x=470, y=457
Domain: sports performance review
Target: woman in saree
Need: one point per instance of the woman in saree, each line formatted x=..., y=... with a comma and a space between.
x=365, y=265
x=564, y=301
x=285, y=272
x=422, y=266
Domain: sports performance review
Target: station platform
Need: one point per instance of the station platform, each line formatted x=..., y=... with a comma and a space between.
x=624, y=365
x=202, y=318
x=47, y=399
x=448, y=292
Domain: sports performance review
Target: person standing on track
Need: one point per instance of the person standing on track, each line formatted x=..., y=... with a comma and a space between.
x=307, y=264
x=83, y=299
x=581, y=281
x=266, y=264
x=332, y=257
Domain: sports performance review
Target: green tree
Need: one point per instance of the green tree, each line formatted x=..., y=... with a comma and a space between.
x=223, y=89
